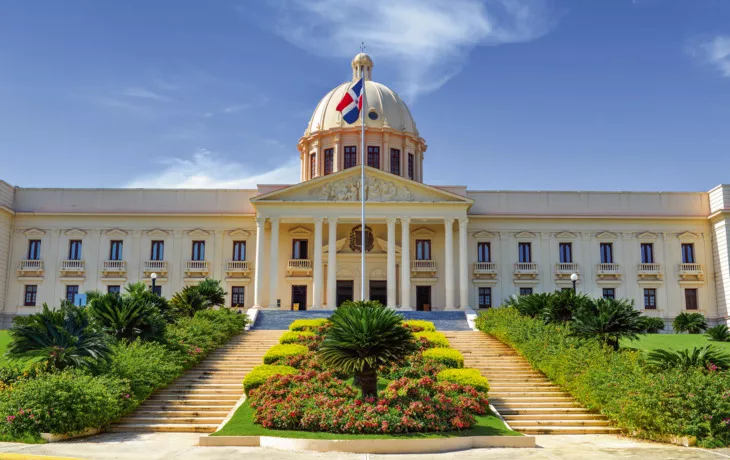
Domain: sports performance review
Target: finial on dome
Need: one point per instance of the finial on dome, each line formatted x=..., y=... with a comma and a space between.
x=362, y=65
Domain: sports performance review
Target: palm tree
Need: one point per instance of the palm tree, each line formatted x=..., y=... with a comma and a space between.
x=609, y=321
x=207, y=294
x=62, y=338
x=141, y=291
x=212, y=291
x=693, y=323
x=363, y=337
x=129, y=315
x=562, y=305
x=532, y=305
x=652, y=324
x=719, y=333
x=706, y=356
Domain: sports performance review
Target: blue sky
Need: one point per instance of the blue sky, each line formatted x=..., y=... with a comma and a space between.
x=509, y=94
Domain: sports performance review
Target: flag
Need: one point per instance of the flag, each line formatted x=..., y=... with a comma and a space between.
x=351, y=103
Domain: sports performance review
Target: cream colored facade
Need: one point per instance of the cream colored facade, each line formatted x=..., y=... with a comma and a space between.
x=424, y=238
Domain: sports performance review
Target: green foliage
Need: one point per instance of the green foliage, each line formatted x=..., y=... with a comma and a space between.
x=719, y=333
x=435, y=339
x=61, y=338
x=609, y=321
x=562, y=305
x=146, y=365
x=701, y=357
x=651, y=325
x=295, y=336
x=208, y=329
x=532, y=305
x=692, y=323
x=418, y=325
x=212, y=292
x=278, y=352
x=143, y=293
x=260, y=374
x=128, y=316
x=307, y=324
x=446, y=356
x=470, y=377
x=192, y=299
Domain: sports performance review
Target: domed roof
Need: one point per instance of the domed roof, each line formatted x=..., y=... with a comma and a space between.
x=383, y=107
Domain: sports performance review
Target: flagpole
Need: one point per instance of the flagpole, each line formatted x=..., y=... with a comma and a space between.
x=362, y=187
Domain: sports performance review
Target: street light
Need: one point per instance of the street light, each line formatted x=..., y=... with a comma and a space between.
x=154, y=278
x=574, y=278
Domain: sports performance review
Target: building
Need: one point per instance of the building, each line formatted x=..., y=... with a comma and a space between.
x=427, y=247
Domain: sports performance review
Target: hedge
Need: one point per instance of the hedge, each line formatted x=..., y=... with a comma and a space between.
x=436, y=339
x=294, y=336
x=418, y=325
x=278, y=352
x=471, y=377
x=260, y=374
x=446, y=356
x=648, y=404
x=307, y=324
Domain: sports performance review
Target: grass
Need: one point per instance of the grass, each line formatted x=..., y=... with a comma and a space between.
x=4, y=341
x=651, y=342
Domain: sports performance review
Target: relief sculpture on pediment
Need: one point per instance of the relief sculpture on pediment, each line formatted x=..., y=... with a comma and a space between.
x=375, y=190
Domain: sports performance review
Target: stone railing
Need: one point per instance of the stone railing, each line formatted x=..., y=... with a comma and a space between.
x=72, y=266
x=26, y=266
x=608, y=270
x=485, y=268
x=691, y=271
x=650, y=271
x=155, y=266
x=299, y=266
x=196, y=267
x=114, y=266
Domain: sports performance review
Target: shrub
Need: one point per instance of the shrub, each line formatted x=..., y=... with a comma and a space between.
x=147, y=366
x=702, y=357
x=195, y=337
x=693, y=323
x=435, y=339
x=446, y=356
x=307, y=324
x=260, y=374
x=470, y=377
x=278, y=352
x=651, y=324
x=531, y=305
x=562, y=305
x=608, y=320
x=127, y=316
x=296, y=337
x=192, y=299
x=417, y=325
x=719, y=333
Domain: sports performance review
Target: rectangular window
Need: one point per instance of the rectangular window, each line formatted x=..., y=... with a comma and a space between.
x=525, y=252
x=609, y=293
x=374, y=156
x=690, y=299
x=198, y=250
x=115, y=289
x=157, y=290
x=484, y=252
x=329, y=161
x=395, y=161
x=31, y=292
x=299, y=249
x=312, y=165
x=74, y=250
x=423, y=249
x=650, y=299
x=239, y=250
x=485, y=297
x=606, y=253
x=115, y=250
x=157, y=250
x=647, y=253
x=525, y=291
x=410, y=166
x=350, y=156
x=566, y=253
x=34, y=250
x=237, y=296
x=688, y=253
x=71, y=291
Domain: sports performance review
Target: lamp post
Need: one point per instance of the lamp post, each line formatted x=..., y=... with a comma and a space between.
x=574, y=278
x=153, y=277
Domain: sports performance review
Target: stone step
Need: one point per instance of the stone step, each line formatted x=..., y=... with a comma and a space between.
x=182, y=391
x=164, y=407
x=562, y=416
x=542, y=411
x=518, y=424
x=171, y=420
x=528, y=395
x=181, y=413
x=527, y=404
x=568, y=430
x=197, y=402
x=197, y=397
x=165, y=427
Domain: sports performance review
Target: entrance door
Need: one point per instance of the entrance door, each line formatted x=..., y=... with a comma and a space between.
x=299, y=297
x=423, y=298
x=345, y=291
x=379, y=291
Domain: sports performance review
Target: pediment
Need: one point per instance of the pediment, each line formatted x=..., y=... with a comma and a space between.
x=300, y=231
x=239, y=233
x=75, y=232
x=423, y=231
x=525, y=235
x=606, y=236
x=688, y=236
x=566, y=236
x=115, y=232
x=34, y=232
x=484, y=235
x=647, y=236
x=199, y=233
x=158, y=233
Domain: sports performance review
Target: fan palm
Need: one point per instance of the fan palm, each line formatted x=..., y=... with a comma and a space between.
x=651, y=324
x=363, y=337
x=62, y=338
x=685, y=359
x=719, y=333
x=128, y=316
x=212, y=291
x=562, y=305
x=207, y=294
x=693, y=323
x=142, y=292
x=609, y=321
x=533, y=305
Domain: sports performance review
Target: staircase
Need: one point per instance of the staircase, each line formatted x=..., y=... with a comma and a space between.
x=201, y=398
x=525, y=398
x=281, y=319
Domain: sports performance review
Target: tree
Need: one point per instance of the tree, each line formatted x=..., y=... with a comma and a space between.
x=62, y=338
x=364, y=336
x=532, y=305
x=562, y=305
x=707, y=357
x=140, y=290
x=129, y=315
x=693, y=323
x=207, y=294
x=212, y=292
x=609, y=321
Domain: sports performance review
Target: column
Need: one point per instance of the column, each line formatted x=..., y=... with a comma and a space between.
x=449, y=262
x=336, y=163
x=274, y=262
x=318, y=284
x=463, y=264
x=391, y=262
x=332, y=265
x=386, y=152
x=218, y=257
x=258, y=276
x=405, y=264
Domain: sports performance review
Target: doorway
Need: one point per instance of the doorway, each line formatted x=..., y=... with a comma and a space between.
x=423, y=298
x=345, y=291
x=379, y=291
x=299, y=297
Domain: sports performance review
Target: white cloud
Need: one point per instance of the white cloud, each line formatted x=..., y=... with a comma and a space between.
x=715, y=52
x=207, y=170
x=143, y=93
x=427, y=40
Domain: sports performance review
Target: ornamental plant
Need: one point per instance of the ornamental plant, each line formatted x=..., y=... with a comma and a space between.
x=609, y=321
x=307, y=324
x=278, y=352
x=719, y=333
x=692, y=323
x=417, y=325
x=446, y=356
x=127, y=316
x=651, y=324
x=260, y=374
x=708, y=357
x=434, y=339
x=296, y=337
x=467, y=377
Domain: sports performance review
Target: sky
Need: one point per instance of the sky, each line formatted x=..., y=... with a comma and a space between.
x=508, y=94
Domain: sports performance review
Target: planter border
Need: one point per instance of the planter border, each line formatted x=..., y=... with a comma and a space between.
x=52, y=437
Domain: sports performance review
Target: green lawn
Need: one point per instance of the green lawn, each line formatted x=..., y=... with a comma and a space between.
x=4, y=341
x=650, y=342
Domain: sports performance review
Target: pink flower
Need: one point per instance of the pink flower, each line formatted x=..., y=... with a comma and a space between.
x=11, y=418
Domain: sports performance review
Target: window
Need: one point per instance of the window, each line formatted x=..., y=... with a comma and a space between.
x=690, y=299
x=74, y=250
x=525, y=252
x=113, y=289
x=688, y=253
x=312, y=166
x=158, y=250
x=198, y=250
x=71, y=291
x=566, y=253
x=423, y=249
x=31, y=292
x=485, y=297
x=395, y=161
x=299, y=249
x=237, y=296
x=34, y=250
x=239, y=250
x=609, y=293
x=115, y=250
x=606, y=253
x=157, y=290
x=350, y=156
x=525, y=291
x=329, y=161
x=647, y=253
x=484, y=252
x=410, y=166
x=374, y=156
x=650, y=299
